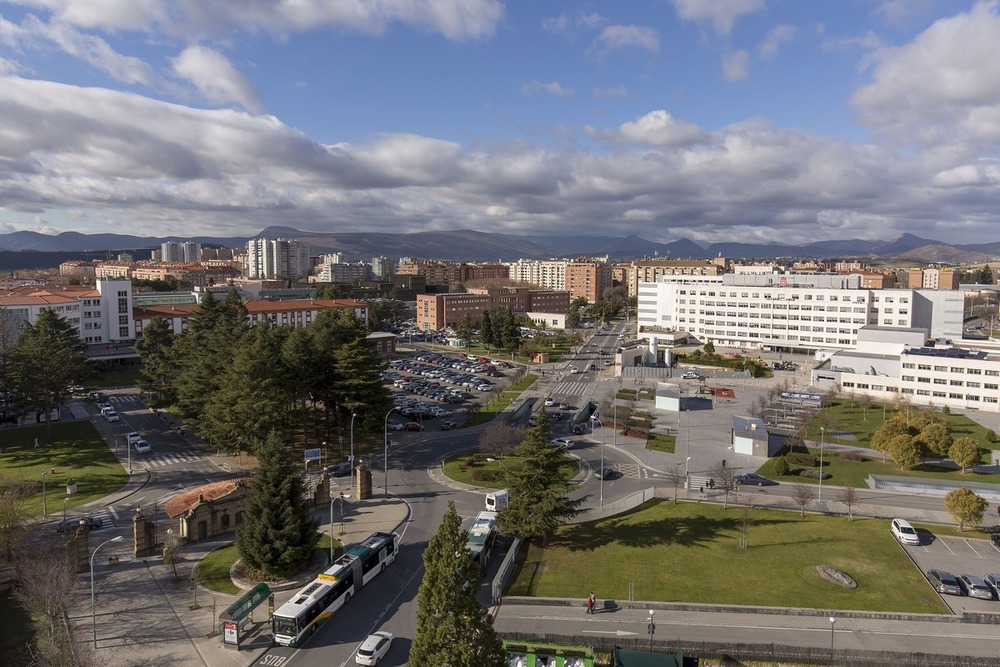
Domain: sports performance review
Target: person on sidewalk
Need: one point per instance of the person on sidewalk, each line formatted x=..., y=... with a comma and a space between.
x=591, y=601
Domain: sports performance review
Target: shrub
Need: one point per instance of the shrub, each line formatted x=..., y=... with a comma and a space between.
x=800, y=459
x=852, y=456
x=470, y=462
x=781, y=467
x=482, y=457
x=991, y=436
x=485, y=475
x=815, y=474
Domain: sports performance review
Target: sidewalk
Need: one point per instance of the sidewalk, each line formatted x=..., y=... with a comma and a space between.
x=146, y=615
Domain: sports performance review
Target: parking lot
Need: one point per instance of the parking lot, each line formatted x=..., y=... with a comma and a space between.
x=958, y=555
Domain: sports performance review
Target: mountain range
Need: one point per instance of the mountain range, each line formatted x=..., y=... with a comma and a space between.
x=472, y=245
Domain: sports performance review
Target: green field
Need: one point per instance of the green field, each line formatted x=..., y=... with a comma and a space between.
x=90, y=463
x=453, y=468
x=689, y=552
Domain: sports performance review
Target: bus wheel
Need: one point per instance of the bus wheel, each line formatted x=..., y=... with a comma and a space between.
x=383, y=568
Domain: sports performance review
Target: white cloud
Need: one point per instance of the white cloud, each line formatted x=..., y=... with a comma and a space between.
x=736, y=66
x=721, y=14
x=615, y=37
x=775, y=38
x=612, y=91
x=942, y=86
x=553, y=88
x=659, y=128
x=564, y=24
x=457, y=20
x=8, y=66
x=899, y=12
x=215, y=77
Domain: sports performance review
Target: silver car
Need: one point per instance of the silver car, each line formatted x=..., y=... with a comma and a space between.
x=975, y=587
x=993, y=580
x=944, y=582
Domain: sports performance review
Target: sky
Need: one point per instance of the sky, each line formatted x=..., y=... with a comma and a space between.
x=713, y=120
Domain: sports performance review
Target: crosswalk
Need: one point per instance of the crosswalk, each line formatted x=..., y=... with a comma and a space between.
x=123, y=400
x=570, y=388
x=157, y=460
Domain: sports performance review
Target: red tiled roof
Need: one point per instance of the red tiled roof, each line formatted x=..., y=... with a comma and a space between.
x=182, y=502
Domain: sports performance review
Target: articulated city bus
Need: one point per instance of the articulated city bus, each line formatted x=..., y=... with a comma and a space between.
x=296, y=620
x=481, y=536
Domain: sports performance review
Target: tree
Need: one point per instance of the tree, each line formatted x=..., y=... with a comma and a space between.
x=538, y=500
x=965, y=506
x=10, y=332
x=675, y=478
x=47, y=359
x=848, y=496
x=709, y=348
x=802, y=495
x=487, y=333
x=497, y=440
x=865, y=403
x=723, y=480
x=466, y=330
x=746, y=504
x=905, y=451
x=935, y=438
x=884, y=434
x=278, y=535
x=453, y=630
x=984, y=276
x=13, y=494
x=384, y=312
x=154, y=350
x=965, y=452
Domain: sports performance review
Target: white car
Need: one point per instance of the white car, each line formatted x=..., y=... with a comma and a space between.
x=395, y=425
x=904, y=532
x=374, y=648
x=549, y=402
x=691, y=375
x=133, y=437
x=142, y=447
x=565, y=443
x=112, y=416
x=573, y=370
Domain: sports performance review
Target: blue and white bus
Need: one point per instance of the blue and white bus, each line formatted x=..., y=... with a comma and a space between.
x=296, y=620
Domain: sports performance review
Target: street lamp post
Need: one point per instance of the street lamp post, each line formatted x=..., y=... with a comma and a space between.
x=65, y=500
x=385, y=460
x=45, y=511
x=822, y=441
x=93, y=602
x=596, y=420
x=651, y=627
x=833, y=622
x=353, y=415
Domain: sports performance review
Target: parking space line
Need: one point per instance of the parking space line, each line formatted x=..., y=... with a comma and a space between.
x=971, y=546
x=945, y=545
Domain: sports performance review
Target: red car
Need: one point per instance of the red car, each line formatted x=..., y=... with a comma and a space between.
x=413, y=426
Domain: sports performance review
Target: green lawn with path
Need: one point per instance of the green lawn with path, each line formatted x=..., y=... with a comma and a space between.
x=689, y=552
x=214, y=569
x=498, y=404
x=453, y=468
x=77, y=452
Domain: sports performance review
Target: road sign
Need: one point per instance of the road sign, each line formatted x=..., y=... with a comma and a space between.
x=314, y=454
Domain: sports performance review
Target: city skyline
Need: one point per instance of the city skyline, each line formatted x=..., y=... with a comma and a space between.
x=748, y=120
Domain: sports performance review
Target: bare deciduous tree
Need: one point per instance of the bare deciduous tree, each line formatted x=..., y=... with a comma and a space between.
x=865, y=403
x=802, y=495
x=723, y=480
x=13, y=495
x=849, y=496
x=746, y=504
x=498, y=439
x=675, y=478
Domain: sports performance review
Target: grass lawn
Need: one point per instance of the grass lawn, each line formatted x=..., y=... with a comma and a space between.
x=489, y=411
x=17, y=633
x=213, y=570
x=689, y=552
x=660, y=442
x=452, y=468
x=122, y=378
x=91, y=464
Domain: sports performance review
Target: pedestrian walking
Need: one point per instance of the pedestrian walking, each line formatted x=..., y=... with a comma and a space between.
x=711, y=483
x=701, y=493
x=591, y=601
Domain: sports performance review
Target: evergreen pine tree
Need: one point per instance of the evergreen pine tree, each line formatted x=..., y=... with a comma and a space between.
x=538, y=500
x=154, y=349
x=486, y=331
x=278, y=535
x=453, y=630
x=46, y=359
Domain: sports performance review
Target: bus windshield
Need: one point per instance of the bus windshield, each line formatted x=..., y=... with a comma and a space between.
x=285, y=626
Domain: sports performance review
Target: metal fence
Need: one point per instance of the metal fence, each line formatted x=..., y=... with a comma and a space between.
x=768, y=654
x=506, y=570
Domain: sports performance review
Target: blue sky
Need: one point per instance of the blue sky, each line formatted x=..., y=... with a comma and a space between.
x=750, y=120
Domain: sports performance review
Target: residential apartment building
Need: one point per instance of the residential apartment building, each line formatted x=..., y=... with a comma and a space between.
x=438, y=311
x=381, y=267
x=546, y=273
x=651, y=270
x=450, y=274
x=944, y=279
x=588, y=279
x=278, y=258
x=280, y=313
x=343, y=272
x=79, y=269
x=180, y=252
x=793, y=311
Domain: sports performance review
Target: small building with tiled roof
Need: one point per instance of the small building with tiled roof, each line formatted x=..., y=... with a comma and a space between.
x=209, y=510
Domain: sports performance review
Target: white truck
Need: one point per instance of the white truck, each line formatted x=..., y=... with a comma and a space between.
x=496, y=500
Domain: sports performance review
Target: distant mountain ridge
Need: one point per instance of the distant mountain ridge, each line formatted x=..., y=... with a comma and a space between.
x=471, y=245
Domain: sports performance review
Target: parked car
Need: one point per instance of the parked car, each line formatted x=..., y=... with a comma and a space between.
x=944, y=582
x=339, y=470
x=413, y=426
x=374, y=648
x=975, y=587
x=448, y=425
x=753, y=479
x=565, y=443
x=690, y=375
x=904, y=532
x=563, y=406
x=993, y=581
x=395, y=425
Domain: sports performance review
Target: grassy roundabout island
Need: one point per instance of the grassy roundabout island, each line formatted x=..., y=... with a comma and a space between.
x=689, y=552
x=471, y=467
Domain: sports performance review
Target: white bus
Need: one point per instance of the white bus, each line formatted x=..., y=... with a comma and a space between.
x=296, y=620
x=481, y=536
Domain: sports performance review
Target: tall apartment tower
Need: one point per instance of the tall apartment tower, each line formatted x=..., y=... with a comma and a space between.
x=277, y=258
x=186, y=252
